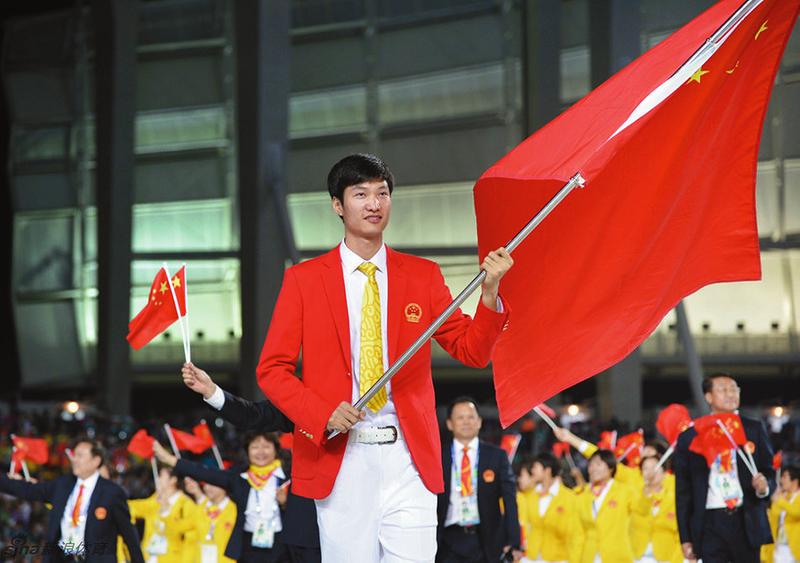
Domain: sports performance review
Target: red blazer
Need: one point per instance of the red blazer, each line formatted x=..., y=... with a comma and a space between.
x=311, y=316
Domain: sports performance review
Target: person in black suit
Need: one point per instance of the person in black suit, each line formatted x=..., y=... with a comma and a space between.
x=477, y=476
x=88, y=512
x=722, y=514
x=301, y=533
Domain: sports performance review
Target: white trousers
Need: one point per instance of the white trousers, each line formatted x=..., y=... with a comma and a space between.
x=378, y=511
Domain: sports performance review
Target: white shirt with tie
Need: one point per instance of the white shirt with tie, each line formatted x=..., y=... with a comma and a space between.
x=453, y=508
x=72, y=537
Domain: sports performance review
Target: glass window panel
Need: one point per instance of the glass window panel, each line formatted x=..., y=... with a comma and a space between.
x=576, y=80
x=43, y=143
x=467, y=91
x=214, y=301
x=792, y=210
x=790, y=118
x=342, y=110
x=309, y=13
x=189, y=177
x=176, y=83
x=43, y=252
x=308, y=167
x=42, y=191
x=181, y=129
x=49, y=349
x=792, y=303
x=766, y=199
x=40, y=96
x=186, y=225
x=327, y=63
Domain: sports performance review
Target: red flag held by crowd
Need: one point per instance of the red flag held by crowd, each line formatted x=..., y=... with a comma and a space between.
x=203, y=433
x=560, y=448
x=33, y=449
x=509, y=444
x=608, y=440
x=159, y=313
x=186, y=441
x=672, y=420
x=777, y=460
x=668, y=149
x=629, y=448
x=141, y=444
x=711, y=441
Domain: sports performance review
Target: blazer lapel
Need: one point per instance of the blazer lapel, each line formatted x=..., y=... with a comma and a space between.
x=333, y=282
x=397, y=295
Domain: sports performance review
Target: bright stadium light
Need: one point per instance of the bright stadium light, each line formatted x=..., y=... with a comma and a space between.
x=72, y=407
x=573, y=410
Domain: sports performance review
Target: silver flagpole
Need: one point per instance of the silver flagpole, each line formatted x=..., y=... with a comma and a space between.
x=576, y=181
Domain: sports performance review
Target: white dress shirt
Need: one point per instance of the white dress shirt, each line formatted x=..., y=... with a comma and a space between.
x=75, y=535
x=453, y=512
x=722, y=485
x=546, y=499
x=354, y=284
x=263, y=504
x=597, y=502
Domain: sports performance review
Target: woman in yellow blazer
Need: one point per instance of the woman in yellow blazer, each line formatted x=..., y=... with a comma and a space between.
x=784, y=517
x=216, y=519
x=605, y=513
x=169, y=515
x=549, y=512
x=656, y=540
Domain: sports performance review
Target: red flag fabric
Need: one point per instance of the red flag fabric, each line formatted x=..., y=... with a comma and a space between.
x=186, y=441
x=141, y=444
x=203, y=433
x=630, y=446
x=672, y=420
x=777, y=460
x=560, y=448
x=608, y=439
x=668, y=151
x=547, y=410
x=509, y=444
x=159, y=313
x=711, y=441
x=286, y=441
x=34, y=449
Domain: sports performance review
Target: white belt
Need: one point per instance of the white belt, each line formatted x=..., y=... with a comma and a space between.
x=374, y=435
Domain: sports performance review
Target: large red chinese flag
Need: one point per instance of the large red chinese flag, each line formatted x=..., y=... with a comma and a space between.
x=159, y=313
x=34, y=449
x=668, y=149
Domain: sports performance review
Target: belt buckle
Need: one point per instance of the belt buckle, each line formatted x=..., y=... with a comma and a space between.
x=394, y=433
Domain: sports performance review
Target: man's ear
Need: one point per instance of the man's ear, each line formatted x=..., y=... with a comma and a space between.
x=337, y=206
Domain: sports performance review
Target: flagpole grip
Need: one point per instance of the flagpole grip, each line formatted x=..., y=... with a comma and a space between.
x=155, y=471
x=576, y=181
x=171, y=439
x=546, y=418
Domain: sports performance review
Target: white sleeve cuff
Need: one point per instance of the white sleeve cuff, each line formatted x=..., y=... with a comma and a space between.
x=582, y=446
x=765, y=495
x=217, y=400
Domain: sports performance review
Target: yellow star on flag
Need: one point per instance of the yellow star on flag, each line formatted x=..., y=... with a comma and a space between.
x=698, y=74
x=761, y=29
x=730, y=71
x=176, y=281
x=163, y=289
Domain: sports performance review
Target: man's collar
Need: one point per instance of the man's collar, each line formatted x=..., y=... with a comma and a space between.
x=352, y=261
x=472, y=445
x=90, y=481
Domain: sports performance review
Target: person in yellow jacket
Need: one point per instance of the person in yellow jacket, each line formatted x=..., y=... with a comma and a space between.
x=605, y=513
x=654, y=535
x=784, y=519
x=215, y=521
x=548, y=512
x=168, y=515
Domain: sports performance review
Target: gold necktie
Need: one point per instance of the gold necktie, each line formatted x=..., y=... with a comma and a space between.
x=370, y=364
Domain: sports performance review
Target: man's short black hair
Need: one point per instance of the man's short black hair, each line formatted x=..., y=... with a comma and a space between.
x=708, y=381
x=458, y=401
x=607, y=457
x=549, y=461
x=96, y=447
x=355, y=169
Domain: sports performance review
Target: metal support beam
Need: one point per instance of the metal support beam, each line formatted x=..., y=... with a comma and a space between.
x=541, y=66
x=115, y=23
x=262, y=69
x=693, y=362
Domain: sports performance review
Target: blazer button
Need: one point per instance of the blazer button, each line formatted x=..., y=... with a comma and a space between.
x=310, y=436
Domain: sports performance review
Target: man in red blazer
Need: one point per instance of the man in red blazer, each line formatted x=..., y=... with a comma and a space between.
x=351, y=313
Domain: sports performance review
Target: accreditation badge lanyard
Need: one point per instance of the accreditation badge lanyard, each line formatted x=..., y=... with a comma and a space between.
x=208, y=551
x=725, y=480
x=72, y=544
x=468, y=503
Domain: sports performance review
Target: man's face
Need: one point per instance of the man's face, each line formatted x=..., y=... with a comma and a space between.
x=539, y=473
x=525, y=481
x=365, y=209
x=464, y=422
x=598, y=471
x=83, y=462
x=261, y=451
x=724, y=395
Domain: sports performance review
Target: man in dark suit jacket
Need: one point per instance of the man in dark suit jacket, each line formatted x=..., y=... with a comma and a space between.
x=477, y=476
x=88, y=512
x=300, y=533
x=722, y=516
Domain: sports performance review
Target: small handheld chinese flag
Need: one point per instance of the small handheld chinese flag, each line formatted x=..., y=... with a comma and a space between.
x=629, y=448
x=711, y=441
x=185, y=441
x=672, y=420
x=141, y=444
x=560, y=448
x=161, y=310
x=33, y=449
x=203, y=433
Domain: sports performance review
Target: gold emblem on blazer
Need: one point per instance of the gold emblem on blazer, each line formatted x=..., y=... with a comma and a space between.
x=413, y=313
